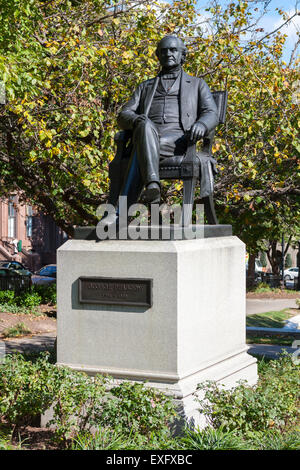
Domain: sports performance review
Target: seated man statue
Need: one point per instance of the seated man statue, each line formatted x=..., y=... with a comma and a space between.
x=165, y=114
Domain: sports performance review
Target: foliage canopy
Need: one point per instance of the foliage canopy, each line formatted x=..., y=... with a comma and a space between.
x=68, y=66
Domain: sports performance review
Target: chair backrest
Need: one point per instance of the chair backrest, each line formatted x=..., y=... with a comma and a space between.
x=220, y=98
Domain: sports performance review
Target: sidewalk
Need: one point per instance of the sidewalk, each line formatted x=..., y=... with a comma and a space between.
x=30, y=344
x=45, y=342
x=267, y=305
x=269, y=351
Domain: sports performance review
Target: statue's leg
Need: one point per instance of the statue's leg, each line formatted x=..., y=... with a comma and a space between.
x=146, y=143
x=132, y=184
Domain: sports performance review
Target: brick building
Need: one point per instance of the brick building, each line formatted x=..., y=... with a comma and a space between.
x=27, y=235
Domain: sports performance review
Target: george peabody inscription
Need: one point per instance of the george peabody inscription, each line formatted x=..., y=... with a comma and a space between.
x=115, y=291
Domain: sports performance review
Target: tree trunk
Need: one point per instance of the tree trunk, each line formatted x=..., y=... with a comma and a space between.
x=274, y=257
x=251, y=270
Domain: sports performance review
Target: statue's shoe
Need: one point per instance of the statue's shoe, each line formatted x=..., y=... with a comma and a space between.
x=151, y=194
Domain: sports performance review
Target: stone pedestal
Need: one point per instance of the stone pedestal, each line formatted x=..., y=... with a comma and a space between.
x=194, y=330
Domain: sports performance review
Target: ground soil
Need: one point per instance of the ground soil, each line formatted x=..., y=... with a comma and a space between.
x=45, y=322
x=35, y=438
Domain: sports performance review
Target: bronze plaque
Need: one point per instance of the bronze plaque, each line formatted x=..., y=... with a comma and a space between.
x=115, y=291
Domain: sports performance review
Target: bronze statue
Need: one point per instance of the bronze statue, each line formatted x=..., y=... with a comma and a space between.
x=165, y=115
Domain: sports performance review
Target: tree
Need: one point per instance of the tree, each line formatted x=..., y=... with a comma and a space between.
x=68, y=66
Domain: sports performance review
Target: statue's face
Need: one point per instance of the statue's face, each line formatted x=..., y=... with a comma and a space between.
x=170, y=53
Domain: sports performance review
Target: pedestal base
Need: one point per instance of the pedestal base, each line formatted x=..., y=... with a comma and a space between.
x=193, y=331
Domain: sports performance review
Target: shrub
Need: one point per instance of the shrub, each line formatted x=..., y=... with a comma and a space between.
x=274, y=402
x=47, y=293
x=136, y=409
x=132, y=410
x=26, y=388
x=7, y=297
x=264, y=287
x=29, y=299
x=77, y=404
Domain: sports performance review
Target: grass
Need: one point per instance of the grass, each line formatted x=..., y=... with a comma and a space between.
x=20, y=329
x=272, y=319
x=8, y=308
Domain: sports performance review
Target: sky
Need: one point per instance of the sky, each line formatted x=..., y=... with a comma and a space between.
x=272, y=20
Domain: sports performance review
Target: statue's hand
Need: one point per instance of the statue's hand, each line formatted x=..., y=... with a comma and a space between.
x=197, y=131
x=140, y=118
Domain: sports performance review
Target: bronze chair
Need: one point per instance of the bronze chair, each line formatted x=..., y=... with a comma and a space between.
x=191, y=167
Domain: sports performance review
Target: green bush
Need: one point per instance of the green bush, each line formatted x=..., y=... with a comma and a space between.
x=136, y=409
x=274, y=402
x=28, y=299
x=26, y=388
x=47, y=293
x=133, y=416
x=7, y=297
x=77, y=404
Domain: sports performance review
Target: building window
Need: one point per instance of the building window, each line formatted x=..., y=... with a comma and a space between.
x=29, y=219
x=12, y=217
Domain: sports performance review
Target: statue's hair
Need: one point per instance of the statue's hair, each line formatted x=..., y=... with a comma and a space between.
x=180, y=42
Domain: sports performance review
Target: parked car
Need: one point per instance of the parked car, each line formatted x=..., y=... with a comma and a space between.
x=45, y=275
x=15, y=267
x=291, y=273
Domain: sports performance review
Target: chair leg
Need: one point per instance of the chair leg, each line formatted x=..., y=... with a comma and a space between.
x=209, y=209
x=188, y=201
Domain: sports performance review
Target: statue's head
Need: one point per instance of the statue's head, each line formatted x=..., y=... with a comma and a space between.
x=171, y=51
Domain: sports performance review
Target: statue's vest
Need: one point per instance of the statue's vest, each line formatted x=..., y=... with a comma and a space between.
x=165, y=104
